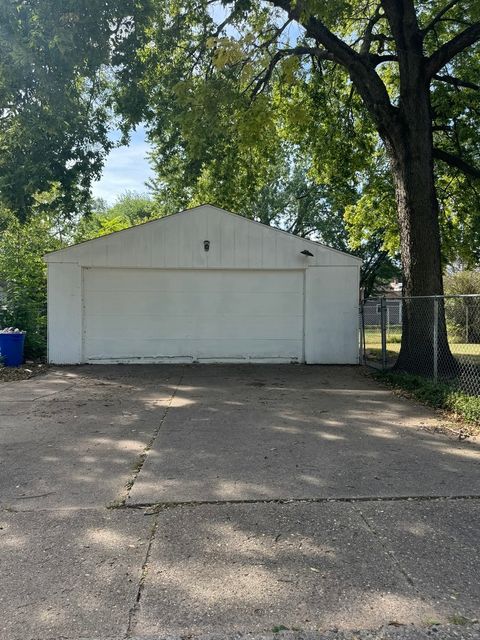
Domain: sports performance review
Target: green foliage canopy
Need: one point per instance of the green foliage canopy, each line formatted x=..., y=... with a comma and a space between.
x=129, y=209
x=58, y=63
x=237, y=93
x=23, y=276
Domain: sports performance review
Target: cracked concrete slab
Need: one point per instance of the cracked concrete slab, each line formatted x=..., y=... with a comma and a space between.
x=437, y=545
x=77, y=446
x=308, y=566
x=70, y=574
x=35, y=388
x=239, y=433
x=410, y=632
x=71, y=441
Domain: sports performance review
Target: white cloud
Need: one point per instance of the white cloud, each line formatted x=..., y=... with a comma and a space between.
x=126, y=169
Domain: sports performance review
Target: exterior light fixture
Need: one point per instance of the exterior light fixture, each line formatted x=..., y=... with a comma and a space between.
x=305, y=252
x=206, y=245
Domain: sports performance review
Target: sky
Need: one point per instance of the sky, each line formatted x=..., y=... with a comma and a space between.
x=126, y=169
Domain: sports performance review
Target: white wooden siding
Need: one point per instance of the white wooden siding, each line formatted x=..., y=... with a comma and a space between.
x=243, y=299
x=176, y=242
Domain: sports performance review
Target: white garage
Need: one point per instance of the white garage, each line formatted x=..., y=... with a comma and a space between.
x=203, y=285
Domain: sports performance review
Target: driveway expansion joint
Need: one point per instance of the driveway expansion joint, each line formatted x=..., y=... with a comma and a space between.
x=156, y=507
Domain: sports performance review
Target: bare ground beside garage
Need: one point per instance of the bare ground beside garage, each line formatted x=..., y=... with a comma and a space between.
x=221, y=501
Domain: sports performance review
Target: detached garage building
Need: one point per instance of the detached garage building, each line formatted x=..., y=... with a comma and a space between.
x=203, y=285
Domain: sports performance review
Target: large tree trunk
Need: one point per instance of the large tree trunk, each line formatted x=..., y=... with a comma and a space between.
x=410, y=150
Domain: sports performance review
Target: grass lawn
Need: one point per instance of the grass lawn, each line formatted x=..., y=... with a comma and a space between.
x=436, y=394
x=464, y=352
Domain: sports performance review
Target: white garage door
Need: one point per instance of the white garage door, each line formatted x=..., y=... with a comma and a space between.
x=160, y=315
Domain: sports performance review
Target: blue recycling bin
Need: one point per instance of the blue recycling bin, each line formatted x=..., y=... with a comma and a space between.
x=11, y=348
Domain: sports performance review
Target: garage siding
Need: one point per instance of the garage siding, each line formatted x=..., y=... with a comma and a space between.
x=153, y=293
x=159, y=315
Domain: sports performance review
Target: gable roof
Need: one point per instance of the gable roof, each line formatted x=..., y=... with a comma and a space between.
x=172, y=242
x=190, y=211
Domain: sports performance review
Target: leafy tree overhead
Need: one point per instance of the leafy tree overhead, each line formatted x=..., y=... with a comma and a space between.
x=344, y=81
x=129, y=209
x=58, y=60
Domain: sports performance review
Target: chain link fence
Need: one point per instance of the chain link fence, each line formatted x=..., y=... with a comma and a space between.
x=436, y=336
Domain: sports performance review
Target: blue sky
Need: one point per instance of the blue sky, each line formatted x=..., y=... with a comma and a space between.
x=126, y=169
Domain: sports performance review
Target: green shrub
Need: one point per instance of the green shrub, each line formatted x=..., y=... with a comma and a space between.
x=439, y=395
x=23, y=278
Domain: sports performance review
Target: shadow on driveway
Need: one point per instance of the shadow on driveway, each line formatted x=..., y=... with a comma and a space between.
x=254, y=433
x=308, y=440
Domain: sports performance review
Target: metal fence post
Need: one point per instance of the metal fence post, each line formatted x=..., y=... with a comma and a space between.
x=435, y=339
x=466, y=323
x=383, y=328
x=362, y=333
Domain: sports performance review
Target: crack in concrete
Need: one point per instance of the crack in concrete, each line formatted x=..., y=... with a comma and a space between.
x=156, y=507
x=132, y=614
x=395, y=561
x=45, y=395
x=140, y=461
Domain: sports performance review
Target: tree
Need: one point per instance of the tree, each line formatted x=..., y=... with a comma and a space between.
x=58, y=61
x=129, y=209
x=23, y=276
x=408, y=72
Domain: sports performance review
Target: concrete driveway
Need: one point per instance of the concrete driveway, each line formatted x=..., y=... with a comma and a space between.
x=173, y=501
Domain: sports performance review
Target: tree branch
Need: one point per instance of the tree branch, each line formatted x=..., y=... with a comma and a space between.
x=457, y=82
x=457, y=162
x=262, y=79
x=377, y=59
x=402, y=18
x=361, y=70
x=367, y=36
x=439, y=16
x=450, y=49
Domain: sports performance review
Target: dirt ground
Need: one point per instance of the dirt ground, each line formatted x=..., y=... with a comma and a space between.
x=24, y=372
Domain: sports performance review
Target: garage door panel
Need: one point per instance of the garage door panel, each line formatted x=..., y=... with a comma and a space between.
x=188, y=281
x=178, y=327
x=213, y=349
x=257, y=348
x=212, y=315
x=205, y=304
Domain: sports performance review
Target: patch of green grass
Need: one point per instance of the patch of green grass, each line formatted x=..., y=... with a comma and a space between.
x=278, y=628
x=435, y=394
x=458, y=619
x=431, y=622
x=464, y=352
